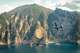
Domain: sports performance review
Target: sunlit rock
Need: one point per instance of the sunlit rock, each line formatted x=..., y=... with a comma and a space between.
x=16, y=19
x=8, y=41
x=3, y=35
x=21, y=25
x=39, y=31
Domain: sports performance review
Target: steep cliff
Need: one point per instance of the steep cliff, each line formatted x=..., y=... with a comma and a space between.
x=34, y=24
x=63, y=26
x=25, y=24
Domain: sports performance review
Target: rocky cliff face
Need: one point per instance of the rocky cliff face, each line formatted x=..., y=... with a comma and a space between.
x=63, y=26
x=26, y=28
x=37, y=25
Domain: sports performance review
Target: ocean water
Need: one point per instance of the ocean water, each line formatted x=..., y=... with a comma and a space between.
x=52, y=48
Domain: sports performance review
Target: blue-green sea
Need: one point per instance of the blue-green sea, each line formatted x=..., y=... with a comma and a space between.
x=52, y=48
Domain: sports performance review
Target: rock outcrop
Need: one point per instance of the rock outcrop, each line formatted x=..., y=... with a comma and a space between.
x=63, y=26
x=34, y=24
